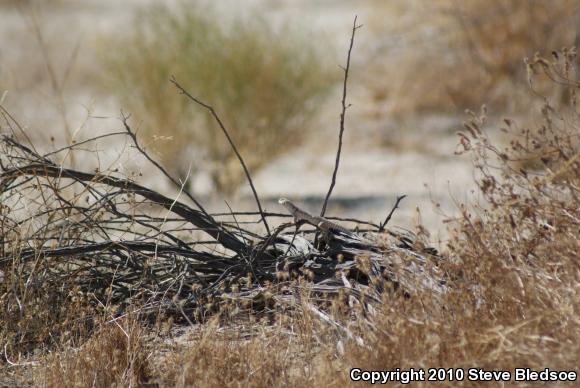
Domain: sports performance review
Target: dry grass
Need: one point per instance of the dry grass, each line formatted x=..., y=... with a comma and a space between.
x=114, y=356
x=265, y=84
x=513, y=261
x=265, y=360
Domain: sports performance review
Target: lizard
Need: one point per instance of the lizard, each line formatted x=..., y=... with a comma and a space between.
x=301, y=216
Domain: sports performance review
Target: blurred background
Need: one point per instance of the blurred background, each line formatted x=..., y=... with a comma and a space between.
x=271, y=69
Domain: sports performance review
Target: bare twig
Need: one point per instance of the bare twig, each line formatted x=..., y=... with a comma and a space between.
x=234, y=148
x=399, y=199
x=342, y=115
x=70, y=147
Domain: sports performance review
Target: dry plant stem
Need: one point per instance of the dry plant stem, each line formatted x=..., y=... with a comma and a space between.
x=79, y=143
x=234, y=148
x=399, y=199
x=342, y=115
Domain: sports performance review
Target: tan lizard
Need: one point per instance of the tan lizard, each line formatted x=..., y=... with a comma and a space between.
x=301, y=216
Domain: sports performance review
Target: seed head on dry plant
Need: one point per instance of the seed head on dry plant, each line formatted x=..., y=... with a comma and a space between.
x=531, y=189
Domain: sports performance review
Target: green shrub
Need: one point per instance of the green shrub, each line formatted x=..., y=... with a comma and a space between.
x=264, y=83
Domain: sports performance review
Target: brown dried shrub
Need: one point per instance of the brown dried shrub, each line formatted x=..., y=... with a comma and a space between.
x=512, y=260
x=461, y=54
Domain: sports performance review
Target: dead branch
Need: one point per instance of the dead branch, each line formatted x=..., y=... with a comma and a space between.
x=197, y=218
x=232, y=144
x=342, y=116
x=399, y=199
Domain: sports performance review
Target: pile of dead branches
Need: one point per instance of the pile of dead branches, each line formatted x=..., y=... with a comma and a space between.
x=122, y=242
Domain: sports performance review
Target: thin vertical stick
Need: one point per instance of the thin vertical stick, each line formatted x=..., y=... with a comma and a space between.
x=342, y=115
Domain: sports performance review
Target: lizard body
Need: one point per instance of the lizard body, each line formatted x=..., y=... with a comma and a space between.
x=301, y=216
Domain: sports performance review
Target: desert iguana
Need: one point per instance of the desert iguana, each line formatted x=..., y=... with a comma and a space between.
x=300, y=216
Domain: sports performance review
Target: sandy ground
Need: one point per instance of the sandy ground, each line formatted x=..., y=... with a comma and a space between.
x=382, y=158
